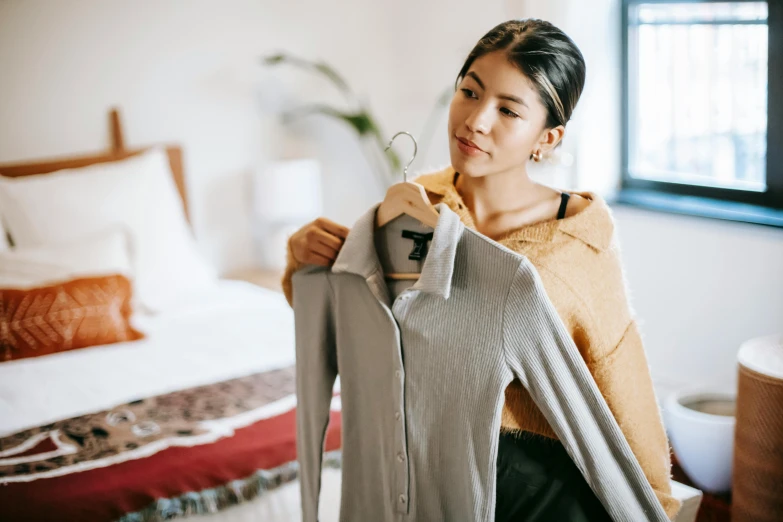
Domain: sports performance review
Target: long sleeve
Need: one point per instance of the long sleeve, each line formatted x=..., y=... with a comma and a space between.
x=316, y=371
x=292, y=265
x=623, y=377
x=542, y=355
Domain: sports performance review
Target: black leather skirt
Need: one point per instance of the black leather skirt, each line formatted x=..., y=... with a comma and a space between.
x=538, y=482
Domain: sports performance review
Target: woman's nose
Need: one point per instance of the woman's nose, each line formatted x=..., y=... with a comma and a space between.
x=478, y=121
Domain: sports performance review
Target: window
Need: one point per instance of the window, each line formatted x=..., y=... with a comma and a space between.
x=702, y=111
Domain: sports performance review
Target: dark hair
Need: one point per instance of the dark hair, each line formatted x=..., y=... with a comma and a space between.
x=544, y=54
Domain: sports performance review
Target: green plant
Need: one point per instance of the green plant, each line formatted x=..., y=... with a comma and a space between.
x=359, y=118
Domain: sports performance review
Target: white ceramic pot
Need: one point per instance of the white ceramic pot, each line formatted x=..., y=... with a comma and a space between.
x=701, y=429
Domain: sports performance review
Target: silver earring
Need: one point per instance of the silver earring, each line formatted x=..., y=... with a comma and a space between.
x=537, y=156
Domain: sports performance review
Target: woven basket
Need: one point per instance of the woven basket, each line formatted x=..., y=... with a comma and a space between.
x=757, y=493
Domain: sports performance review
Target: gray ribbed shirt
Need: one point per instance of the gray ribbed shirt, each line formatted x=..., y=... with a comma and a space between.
x=423, y=375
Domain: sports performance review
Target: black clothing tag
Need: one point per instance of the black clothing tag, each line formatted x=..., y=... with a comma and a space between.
x=419, y=244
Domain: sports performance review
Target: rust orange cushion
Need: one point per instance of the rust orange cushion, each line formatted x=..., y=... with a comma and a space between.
x=65, y=316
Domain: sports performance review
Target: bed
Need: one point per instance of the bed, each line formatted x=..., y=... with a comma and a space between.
x=195, y=420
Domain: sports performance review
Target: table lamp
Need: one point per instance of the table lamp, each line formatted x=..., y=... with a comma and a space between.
x=286, y=195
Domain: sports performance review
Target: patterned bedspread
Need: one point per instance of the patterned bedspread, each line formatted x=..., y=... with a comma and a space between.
x=190, y=451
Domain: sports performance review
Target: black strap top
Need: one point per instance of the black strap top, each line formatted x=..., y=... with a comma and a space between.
x=563, y=203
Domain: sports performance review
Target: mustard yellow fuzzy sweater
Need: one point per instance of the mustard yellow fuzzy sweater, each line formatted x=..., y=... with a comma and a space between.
x=578, y=260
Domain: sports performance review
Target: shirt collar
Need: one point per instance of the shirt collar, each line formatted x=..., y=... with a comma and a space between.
x=593, y=226
x=358, y=255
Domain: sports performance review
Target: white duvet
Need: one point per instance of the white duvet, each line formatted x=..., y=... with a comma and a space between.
x=235, y=330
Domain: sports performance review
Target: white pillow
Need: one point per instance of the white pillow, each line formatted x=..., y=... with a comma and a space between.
x=138, y=194
x=106, y=253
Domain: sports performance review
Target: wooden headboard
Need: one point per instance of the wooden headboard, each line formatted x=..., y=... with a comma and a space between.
x=116, y=152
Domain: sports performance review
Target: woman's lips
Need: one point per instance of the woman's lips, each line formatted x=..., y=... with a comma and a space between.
x=467, y=147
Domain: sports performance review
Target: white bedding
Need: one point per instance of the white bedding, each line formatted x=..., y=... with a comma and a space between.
x=234, y=330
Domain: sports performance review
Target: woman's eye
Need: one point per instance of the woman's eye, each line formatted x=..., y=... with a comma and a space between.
x=509, y=113
x=469, y=93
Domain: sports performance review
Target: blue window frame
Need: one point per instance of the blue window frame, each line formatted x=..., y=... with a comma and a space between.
x=703, y=108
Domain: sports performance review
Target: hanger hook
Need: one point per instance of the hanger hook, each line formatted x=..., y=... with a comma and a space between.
x=415, y=151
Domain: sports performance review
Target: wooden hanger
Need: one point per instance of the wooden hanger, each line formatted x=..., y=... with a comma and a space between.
x=406, y=198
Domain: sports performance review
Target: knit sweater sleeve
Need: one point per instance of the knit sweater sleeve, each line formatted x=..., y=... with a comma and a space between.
x=623, y=376
x=292, y=265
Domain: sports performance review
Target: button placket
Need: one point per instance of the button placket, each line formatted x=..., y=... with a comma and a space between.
x=400, y=306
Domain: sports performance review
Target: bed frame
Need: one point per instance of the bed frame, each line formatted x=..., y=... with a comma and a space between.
x=116, y=152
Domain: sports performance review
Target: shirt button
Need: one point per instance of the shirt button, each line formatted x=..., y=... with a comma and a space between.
x=402, y=499
x=398, y=415
x=405, y=297
x=398, y=374
x=400, y=457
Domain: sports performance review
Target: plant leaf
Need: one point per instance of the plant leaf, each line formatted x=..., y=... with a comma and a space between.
x=332, y=75
x=319, y=67
x=274, y=59
x=360, y=122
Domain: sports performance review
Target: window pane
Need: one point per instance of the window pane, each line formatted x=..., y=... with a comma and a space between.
x=698, y=93
x=702, y=12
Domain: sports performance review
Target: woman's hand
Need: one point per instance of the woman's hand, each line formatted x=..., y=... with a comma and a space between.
x=318, y=243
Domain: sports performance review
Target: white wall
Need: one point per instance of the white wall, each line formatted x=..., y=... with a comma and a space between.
x=701, y=287
x=186, y=71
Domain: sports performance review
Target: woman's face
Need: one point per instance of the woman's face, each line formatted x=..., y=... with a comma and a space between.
x=496, y=118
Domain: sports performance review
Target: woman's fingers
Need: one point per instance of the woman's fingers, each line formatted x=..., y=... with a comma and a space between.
x=323, y=244
x=314, y=258
x=319, y=242
x=325, y=238
x=332, y=227
x=324, y=250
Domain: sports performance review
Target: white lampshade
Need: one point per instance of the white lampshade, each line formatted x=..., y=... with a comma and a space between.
x=288, y=191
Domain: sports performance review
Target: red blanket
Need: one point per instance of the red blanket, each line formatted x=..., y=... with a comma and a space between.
x=101, y=466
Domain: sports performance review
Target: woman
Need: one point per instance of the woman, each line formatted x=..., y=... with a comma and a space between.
x=515, y=94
